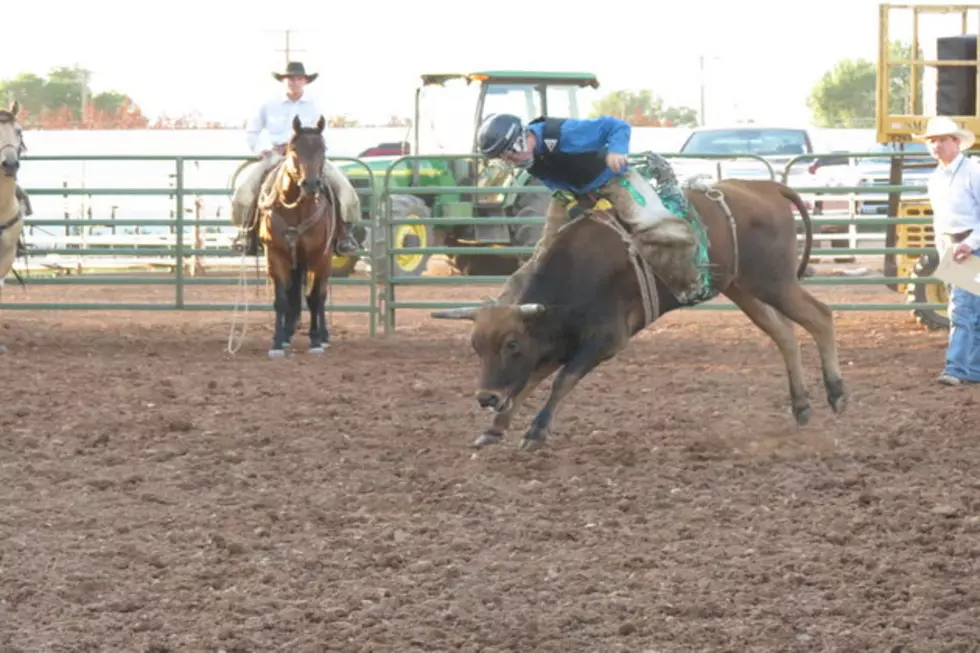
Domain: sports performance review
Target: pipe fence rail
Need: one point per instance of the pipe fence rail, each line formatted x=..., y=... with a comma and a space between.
x=186, y=254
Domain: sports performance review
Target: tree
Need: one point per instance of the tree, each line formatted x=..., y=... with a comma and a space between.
x=56, y=102
x=846, y=95
x=26, y=88
x=110, y=101
x=643, y=109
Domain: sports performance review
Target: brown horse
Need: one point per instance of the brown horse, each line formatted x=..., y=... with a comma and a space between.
x=297, y=214
x=11, y=216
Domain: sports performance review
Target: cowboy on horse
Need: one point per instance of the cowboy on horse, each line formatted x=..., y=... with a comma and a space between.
x=276, y=117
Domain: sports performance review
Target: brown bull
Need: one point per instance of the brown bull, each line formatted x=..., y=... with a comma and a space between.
x=585, y=300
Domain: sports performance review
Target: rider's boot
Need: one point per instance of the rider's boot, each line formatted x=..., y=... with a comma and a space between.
x=345, y=244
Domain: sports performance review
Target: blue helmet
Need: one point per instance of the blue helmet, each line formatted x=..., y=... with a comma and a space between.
x=500, y=133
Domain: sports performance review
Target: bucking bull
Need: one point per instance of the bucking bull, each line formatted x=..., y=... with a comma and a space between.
x=591, y=293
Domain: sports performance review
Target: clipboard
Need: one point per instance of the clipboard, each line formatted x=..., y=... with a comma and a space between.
x=965, y=275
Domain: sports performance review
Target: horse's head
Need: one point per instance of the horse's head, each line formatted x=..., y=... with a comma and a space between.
x=305, y=154
x=11, y=141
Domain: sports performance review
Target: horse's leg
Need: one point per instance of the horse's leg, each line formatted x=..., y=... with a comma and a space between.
x=278, y=271
x=793, y=301
x=321, y=309
x=317, y=301
x=280, y=337
x=295, y=296
x=314, y=333
x=781, y=331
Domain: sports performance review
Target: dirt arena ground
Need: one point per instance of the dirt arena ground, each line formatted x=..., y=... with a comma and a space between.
x=160, y=495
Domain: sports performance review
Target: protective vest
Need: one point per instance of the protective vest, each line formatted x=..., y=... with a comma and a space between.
x=576, y=169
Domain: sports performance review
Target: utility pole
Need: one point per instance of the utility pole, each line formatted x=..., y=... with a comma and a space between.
x=84, y=76
x=288, y=50
x=701, y=60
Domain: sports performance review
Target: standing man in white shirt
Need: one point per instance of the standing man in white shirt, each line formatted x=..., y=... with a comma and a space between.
x=276, y=117
x=954, y=193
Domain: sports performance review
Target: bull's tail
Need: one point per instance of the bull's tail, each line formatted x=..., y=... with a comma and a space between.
x=797, y=201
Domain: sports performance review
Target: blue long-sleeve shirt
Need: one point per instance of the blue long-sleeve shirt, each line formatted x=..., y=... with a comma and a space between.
x=585, y=137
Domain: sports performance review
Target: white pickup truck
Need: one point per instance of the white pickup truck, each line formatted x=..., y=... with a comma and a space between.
x=775, y=145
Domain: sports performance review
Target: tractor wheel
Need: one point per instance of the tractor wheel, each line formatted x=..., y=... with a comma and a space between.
x=479, y=265
x=342, y=266
x=410, y=235
x=932, y=293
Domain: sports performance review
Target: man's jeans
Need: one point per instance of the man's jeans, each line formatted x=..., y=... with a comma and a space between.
x=963, y=352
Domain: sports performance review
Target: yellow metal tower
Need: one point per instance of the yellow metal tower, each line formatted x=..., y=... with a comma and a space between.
x=940, y=78
x=931, y=72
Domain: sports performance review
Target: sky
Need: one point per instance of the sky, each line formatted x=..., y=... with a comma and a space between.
x=216, y=56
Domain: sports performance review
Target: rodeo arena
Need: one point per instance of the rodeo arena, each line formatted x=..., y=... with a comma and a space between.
x=223, y=443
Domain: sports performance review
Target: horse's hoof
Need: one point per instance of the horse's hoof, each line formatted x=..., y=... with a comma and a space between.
x=277, y=353
x=488, y=437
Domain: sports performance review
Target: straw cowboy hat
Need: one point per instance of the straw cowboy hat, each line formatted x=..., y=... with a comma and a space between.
x=946, y=126
x=296, y=69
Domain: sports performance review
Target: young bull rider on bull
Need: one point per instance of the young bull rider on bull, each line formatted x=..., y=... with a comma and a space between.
x=584, y=161
x=276, y=118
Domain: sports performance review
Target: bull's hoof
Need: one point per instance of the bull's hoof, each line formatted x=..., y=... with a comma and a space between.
x=532, y=440
x=836, y=396
x=839, y=404
x=802, y=414
x=488, y=437
x=530, y=444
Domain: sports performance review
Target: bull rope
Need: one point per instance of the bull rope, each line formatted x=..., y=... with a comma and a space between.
x=700, y=183
x=642, y=268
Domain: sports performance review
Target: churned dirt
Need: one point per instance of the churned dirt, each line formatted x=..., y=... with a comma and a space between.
x=160, y=495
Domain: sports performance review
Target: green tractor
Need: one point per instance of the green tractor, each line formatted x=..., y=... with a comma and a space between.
x=448, y=110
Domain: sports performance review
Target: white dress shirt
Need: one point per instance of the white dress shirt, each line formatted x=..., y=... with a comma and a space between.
x=276, y=117
x=954, y=192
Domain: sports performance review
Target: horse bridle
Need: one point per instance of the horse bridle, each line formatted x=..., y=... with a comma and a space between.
x=288, y=170
x=21, y=147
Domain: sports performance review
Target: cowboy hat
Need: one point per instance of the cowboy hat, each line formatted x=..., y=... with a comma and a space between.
x=296, y=69
x=946, y=126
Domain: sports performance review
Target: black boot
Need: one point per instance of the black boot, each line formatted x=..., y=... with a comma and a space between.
x=346, y=244
x=251, y=243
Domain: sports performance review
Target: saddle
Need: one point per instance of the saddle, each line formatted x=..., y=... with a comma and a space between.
x=250, y=225
x=266, y=182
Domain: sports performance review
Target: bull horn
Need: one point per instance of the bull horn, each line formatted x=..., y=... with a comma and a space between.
x=465, y=313
x=530, y=309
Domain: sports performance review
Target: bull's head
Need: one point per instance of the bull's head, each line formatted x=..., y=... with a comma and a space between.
x=504, y=340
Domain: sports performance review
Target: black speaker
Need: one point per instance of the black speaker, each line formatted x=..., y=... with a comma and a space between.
x=956, y=89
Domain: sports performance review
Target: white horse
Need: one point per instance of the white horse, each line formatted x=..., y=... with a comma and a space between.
x=11, y=215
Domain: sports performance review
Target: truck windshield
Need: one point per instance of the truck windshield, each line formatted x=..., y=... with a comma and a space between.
x=748, y=141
